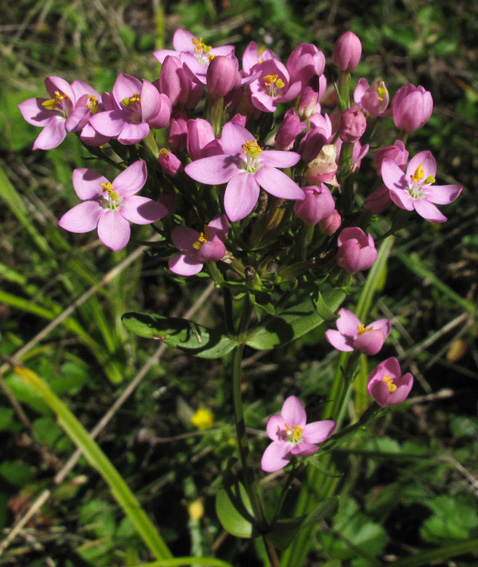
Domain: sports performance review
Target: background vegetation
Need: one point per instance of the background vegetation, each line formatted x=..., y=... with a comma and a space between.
x=414, y=480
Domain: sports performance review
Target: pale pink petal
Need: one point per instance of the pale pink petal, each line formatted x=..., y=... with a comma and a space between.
x=133, y=133
x=132, y=179
x=33, y=111
x=78, y=119
x=220, y=226
x=233, y=137
x=82, y=218
x=113, y=230
x=53, y=84
x=348, y=323
x=276, y=456
x=318, y=431
x=212, y=251
x=379, y=390
x=275, y=427
x=425, y=159
x=125, y=86
x=241, y=196
x=384, y=324
x=183, y=40
x=52, y=135
x=212, y=170
x=276, y=158
x=404, y=385
x=402, y=199
x=370, y=342
x=80, y=89
x=392, y=175
x=443, y=194
x=428, y=211
x=141, y=210
x=161, y=54
x=278, y=184
x=86, y=183
x=93, y=138
x=184, y=266
x=304, y=449
x=109, y=123
x=339, y=341
x=184, y=237
x=293, y=412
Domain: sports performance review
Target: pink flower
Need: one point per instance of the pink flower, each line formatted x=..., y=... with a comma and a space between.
x=386, y=384
x=347, y=52
x=292, y=436
x=245, y=167
x=411, y=107
x=139, y=107
x=177, y=86
x=304, y=63
x=352, y=125
x=356, y=250
x=272, y=86
x=372, y=98
x=331, y=224
x=68, y=110
x=198, y=248
x=414, y=189
x=288, y=131
x=251, y=57
x=397, y=153
x=317, y=205
x=110, y=207
x=352, y=335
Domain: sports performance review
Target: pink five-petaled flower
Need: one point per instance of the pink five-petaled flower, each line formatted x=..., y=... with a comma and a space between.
x=356, y=250
x=414, y=189
x=245, y=167
x=386, y=384
x=352, y=335
x=198, y=248
x=110, y=207
x=292, y=436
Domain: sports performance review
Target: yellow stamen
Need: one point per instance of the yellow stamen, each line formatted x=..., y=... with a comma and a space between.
x=164, y=152
x=50, y=104
x=201, y=240
x=252, y=148
x=361, y=329
x=107, y=186
x=430, y=179
x=199, y=44
x=210, y=57
x=294, y=433
x=269, y=79
x=389, y=382
x=132, y=99
x=418, y=175
x=92, y=104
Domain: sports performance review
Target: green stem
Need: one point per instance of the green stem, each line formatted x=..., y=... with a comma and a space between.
x=98, y=460
x=180, y=561
x=439, y=554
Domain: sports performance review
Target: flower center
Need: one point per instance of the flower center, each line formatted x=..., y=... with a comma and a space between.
x=252, y=152
x=416, y=189
x=273, y=85
x=361, y=329
x=92, y=104
x=201, y=51
x=389, y=382
x=293, y=434
x=129, y=100
x=110, y=198
x=202, y=238
x=54, y=102
x=381, y=92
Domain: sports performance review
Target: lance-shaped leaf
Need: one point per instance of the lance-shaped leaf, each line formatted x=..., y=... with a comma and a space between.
x=181, y=333
x=296, y=320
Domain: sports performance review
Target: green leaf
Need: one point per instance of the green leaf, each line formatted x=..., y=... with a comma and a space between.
x=295, y=321
x=233, y=507
x=284, y=531
x=453, y=519
x=181, y=333
x=16, y=472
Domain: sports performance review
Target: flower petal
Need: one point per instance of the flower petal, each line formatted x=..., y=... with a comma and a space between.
x=108, y=123
x=141, y=210
x=132, y=179
x=233, y=137
x=82, y=218
x=125, y=86
x=184, y=237
x=52, y=135
x=276, y=456
x=425, y=159
x=113, y=230
x=275, y=427
x=278, y=184
x=348, y=323
x=392, y=175
x=339, y=341
x=428, y=211
x=443, y=194
x=183, y=265
x=275, y=158
x=34, y=112
x=241, y=196
x=304, y=449
x=318, y=431
x=133, y=133
x=293, y=412
x=212, y=170
x=86, y=183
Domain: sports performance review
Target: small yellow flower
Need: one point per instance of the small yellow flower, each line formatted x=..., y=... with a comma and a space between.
x=196, y=509
x=203, y=419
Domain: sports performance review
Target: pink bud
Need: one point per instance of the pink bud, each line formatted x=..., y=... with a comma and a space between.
x=378, y=201
x=305, y=62
x=288, y=131
x=178, y=131
x=356, y=250
x=352, y=125
x=397, y=153
x=347, y=52
x=317, y=205
x=331, y=224
x=308, y=103
x=324, y=167
x=169, y=163
x=172, y=80
x=200, y=134
x=222, y=76
x=411, y=107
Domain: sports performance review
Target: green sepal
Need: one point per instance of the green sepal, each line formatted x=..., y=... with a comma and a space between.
x=284, y=531
x=180, y=333
x=296, y=320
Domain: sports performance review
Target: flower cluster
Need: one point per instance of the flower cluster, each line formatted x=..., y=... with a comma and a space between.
x=261, y=206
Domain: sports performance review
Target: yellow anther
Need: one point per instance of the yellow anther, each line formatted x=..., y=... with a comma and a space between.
x=361, y=329
x=203, y=419
x=114, y=195
x=132, y=99
x=381, y=91
x=252, y=148
x=201, y=240
x=210, y=57
x=389, y=382
x=418, y=175
x=269, y=79
x=279, y=83
x=200, y=45
x=430, y=179
x=164, y=152
x=50, y=104
x=92, y=104
x=294, y=433
x=107, y=186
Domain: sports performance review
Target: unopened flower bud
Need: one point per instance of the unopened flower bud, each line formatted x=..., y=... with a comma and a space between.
x=347, y=52
x=412, y=107
x=317, y=205
x=169, y=163
x=288, y=131
x=331, y=224
x=222, y=76
x=324, y=167
x=356, y=250
x=352, y=125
